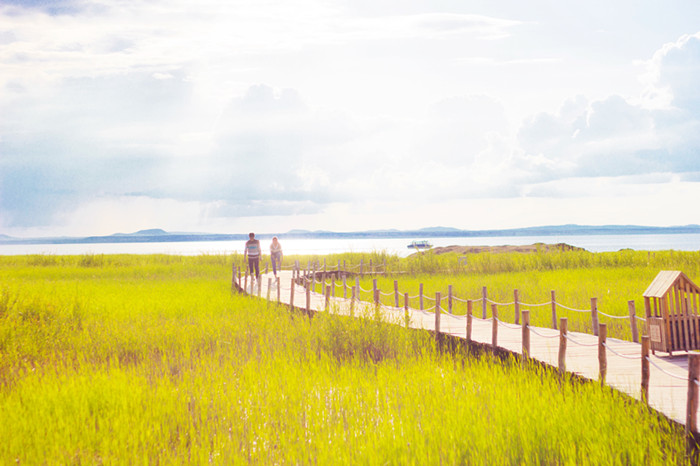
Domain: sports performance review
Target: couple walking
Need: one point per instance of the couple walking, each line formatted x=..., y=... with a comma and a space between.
x=253, y=252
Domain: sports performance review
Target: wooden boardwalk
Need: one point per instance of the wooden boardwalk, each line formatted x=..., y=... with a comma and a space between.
x=668, y=384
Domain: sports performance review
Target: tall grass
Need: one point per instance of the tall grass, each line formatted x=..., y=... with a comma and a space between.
x=575, y=276
x=151, y=359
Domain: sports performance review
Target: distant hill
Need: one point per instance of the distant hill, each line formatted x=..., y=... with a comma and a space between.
x=159, y=235
x=151, y=232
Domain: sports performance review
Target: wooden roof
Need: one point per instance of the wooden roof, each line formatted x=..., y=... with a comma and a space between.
x=664, y=281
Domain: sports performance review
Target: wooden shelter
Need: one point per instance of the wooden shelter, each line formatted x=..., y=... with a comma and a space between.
x=672, y=304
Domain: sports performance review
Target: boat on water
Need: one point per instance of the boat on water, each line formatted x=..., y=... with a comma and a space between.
x=424, y=244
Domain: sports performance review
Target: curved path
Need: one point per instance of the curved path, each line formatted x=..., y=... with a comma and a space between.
x=668, y=384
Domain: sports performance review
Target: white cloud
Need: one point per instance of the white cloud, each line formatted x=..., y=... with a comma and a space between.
x=242, y=110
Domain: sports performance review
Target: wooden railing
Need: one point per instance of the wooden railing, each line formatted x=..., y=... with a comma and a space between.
x=352, y=294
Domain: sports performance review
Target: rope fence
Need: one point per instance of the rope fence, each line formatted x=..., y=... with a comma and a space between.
x=443, y=306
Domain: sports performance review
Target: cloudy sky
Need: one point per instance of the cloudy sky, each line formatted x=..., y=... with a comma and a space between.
x=270, y=115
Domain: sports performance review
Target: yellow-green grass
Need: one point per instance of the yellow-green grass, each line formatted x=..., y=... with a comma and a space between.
x=613, y=279
x=151, y=359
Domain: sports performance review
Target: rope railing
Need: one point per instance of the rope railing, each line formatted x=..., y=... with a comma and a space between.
x=534, y=305
x=466, y=300
x=499, y=304
x=306, y=275
x=612, y=317
x=441, y=308
x=625, y=356
x=665, y=371
x=532, y=329
x=571, y=308
x=508, y=325
x=568, y=337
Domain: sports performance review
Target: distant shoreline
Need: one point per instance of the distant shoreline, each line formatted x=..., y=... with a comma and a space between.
x=161, y=236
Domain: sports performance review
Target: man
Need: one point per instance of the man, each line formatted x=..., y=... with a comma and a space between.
x=253, y=253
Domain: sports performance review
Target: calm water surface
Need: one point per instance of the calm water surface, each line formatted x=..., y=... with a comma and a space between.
x=593, y=243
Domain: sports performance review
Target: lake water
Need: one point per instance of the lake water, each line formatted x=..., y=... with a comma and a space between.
x=593, y=243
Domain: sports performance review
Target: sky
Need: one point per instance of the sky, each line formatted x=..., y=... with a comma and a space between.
x=272, y=115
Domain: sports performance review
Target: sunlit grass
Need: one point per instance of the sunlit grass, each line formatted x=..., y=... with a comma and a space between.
x=151, y=359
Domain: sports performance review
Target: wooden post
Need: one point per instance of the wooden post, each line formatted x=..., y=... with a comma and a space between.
x=352, y=301
x=594, y=315
x=526, y=336
x=420, y=295
x=291, y=296
x=333, y=285
x=269, y=286
x=484, y=298
x=691, y=425
x=633, y=321
x=554, y=310
x=308, y=298
x=396, y=293
x=602, y=356
x=358, y=291
x=376, y=296
x=374, y=290
x=563, y=327
x=494, y=325
x=437, y=316
x=345, y=287
x=516, y=305
x=470, y=305
x=277, y=282
x=328, y=297
x=338, y=268
x=405, y=308
x=645, y=368
x=449, y=299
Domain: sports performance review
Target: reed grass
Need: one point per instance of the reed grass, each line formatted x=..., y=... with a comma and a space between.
x=613, y=279
x=151, y=359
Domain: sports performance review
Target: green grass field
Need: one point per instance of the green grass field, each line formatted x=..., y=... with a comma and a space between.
x=576, y=276
x=151, y=359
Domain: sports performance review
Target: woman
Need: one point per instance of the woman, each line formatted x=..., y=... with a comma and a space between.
x=276, y=255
